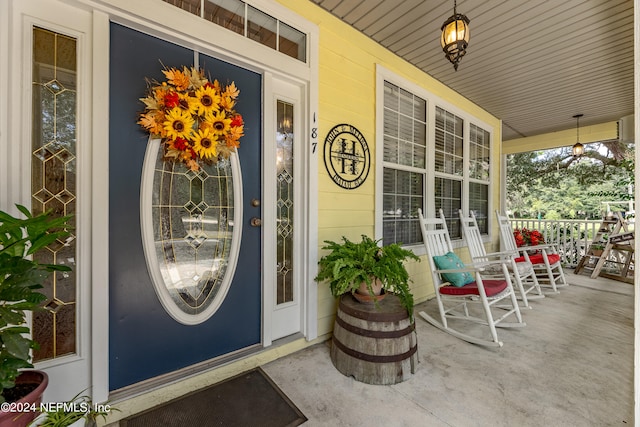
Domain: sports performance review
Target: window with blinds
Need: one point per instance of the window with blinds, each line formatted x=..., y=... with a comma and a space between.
x=479, y=175
x=454, y=175
x=449, y=167
x=405, y=156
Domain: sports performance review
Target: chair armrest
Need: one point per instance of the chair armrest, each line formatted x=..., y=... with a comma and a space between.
x=544, y=246
x=461, y=270
x=499, y=254
x=482, y=264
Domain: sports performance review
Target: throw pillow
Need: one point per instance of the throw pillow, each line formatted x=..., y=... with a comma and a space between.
x=450, y=261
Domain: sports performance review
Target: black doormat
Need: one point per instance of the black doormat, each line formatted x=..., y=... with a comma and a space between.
x=249, y=399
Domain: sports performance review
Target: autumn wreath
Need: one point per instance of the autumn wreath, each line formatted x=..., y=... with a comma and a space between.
x=194, y=118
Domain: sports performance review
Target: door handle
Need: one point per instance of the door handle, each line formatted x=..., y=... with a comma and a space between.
x=256, y=222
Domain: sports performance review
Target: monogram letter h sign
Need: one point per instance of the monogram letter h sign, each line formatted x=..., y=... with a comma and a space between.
x=346, y=156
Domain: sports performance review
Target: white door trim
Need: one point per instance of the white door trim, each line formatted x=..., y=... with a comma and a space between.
x=147, y=16
x=284, y=319
x=159, y=19
x=68, y=375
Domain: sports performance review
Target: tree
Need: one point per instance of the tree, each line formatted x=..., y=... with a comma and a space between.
x=553, y=183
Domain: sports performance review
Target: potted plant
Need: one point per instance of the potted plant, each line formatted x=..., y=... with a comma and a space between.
x=365, y=267
x=20, y=279
x=596, y=248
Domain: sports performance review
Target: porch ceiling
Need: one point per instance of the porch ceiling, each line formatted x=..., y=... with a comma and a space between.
x=534, y=64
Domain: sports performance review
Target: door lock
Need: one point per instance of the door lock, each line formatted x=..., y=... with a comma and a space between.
x=256, y=222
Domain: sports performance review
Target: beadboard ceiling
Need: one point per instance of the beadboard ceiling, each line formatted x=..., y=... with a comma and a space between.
x=532, y=63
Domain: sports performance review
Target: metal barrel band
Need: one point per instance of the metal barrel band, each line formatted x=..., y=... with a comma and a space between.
x=374, y=358
x=374, y=334
x=376, y=316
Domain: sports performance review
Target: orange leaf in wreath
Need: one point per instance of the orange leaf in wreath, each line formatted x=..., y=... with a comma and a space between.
x=232, y=143
x=148, y=121
x=177, y=78
x=192, y=165
x=232, y=90
x=227, y=102
x=235, y=133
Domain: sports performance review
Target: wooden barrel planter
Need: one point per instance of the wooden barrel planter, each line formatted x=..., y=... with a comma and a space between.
x=374, y=344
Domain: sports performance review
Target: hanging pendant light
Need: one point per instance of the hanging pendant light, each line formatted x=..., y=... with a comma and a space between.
x=455, y=37
x=578, y=149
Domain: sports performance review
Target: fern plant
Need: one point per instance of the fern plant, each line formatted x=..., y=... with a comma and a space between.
x=348, y=264
x=20, y=279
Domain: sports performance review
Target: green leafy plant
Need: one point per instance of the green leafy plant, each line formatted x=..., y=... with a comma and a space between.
x=599, y=245
x=20, y=277
x=80, y=407
x=348, y=264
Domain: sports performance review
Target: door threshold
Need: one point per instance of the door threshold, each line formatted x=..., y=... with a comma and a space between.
x=164, y=380
x=286, y=340
x=176, y=376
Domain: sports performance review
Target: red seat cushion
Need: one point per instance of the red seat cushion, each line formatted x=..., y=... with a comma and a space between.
x=491, y=288
x=538, y=259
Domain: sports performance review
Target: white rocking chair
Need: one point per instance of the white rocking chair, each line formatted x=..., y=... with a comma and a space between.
x=454, y=301
x=522, y=273
x=545, y=260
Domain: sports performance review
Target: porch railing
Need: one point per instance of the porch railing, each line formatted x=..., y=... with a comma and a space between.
x=571, y=237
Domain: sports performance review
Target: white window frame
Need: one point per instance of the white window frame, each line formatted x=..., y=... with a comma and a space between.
x=383, y=74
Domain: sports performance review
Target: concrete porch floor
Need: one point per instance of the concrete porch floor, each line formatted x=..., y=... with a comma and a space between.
x=572, y=365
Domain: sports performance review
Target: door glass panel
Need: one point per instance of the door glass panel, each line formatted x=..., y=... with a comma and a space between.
x=53, y=184
x=226, y=13
x=191, y=6
x=292, y=42
x=284, y=160
x=262, y=27
x=194, y=238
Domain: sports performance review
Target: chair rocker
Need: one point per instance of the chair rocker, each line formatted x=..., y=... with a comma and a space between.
x=522, y=273
x=455, y=299
x=545, y=260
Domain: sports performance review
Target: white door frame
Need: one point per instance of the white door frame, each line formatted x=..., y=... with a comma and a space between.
x=284, y=319
x=68, y=375
x=89, y=20
x=162, y=20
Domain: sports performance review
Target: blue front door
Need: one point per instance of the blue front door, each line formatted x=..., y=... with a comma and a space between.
x=144, y=340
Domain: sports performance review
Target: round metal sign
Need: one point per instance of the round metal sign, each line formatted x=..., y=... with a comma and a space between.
x=346, y=156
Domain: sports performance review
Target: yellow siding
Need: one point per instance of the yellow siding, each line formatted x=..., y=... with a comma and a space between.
x=566, y=138
x=347, y=92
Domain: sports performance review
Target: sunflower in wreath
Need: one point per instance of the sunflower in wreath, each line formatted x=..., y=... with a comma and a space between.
x=194, y=118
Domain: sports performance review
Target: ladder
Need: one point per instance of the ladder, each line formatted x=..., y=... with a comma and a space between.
x=619, y=250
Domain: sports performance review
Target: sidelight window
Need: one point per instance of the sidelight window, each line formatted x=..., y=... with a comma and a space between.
x=53, y=184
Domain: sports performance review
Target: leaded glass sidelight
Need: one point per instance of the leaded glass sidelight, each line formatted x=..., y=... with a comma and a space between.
x=189, y=233
x=284, y=168
x=53, y=184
